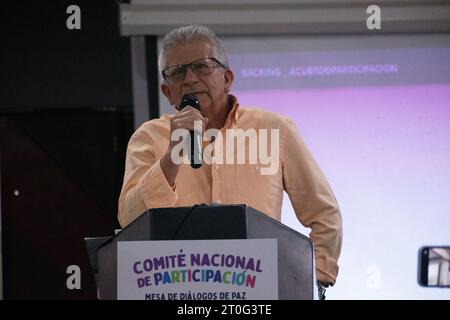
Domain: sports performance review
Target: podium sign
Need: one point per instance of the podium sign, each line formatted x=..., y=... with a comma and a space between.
x=198, y=270
x=225, y=230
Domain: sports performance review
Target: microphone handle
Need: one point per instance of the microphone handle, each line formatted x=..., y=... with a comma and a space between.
x=195, y=155
x=196, y=149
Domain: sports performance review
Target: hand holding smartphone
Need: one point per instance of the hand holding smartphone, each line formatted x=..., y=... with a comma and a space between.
x=434, y=266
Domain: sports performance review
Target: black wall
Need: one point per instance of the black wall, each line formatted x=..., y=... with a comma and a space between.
x=65, y=120
x=43, y=64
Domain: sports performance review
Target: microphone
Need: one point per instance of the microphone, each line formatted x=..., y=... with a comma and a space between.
x=195, y=156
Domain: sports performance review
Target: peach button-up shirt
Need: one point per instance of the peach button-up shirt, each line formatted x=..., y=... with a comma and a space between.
x=314, y=203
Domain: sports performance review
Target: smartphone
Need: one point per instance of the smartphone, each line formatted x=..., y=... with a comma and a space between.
x=434, y=266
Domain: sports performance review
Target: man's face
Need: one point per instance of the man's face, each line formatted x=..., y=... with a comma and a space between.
x=211, y=89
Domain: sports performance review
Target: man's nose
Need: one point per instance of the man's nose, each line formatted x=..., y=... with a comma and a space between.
x=190, y=77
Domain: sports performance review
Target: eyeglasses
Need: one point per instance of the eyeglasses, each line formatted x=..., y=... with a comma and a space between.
x=200, y=67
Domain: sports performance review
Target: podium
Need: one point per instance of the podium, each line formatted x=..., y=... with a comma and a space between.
x=296, y=272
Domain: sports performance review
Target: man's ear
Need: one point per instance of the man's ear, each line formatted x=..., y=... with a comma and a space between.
x=167, y=92
x=229, y=77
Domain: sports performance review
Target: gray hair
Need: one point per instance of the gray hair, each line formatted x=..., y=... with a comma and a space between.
x=189, y=34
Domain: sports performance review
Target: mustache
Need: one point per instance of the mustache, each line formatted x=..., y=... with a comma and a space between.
x=194, y=92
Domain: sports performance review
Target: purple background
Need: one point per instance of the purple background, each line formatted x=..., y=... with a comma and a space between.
x=383, y=142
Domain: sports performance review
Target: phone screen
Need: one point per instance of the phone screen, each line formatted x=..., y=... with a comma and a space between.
x=434, y=266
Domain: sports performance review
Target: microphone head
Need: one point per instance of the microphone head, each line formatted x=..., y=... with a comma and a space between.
x=189, y=100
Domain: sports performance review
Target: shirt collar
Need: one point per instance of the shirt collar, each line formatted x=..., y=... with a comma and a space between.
x=233, y=114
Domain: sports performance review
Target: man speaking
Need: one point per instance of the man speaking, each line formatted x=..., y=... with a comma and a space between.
x=269, y=155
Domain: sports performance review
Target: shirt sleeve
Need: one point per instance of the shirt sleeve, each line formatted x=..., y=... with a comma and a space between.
x=144, y=184
x=313, y=201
